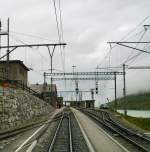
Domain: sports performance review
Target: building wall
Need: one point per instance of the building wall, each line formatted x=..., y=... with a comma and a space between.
x=20, y=108
x=90, y=103
x=84, y=103
x=22, y=74
x=16, y=72
x=77, y=104
x=2, y=70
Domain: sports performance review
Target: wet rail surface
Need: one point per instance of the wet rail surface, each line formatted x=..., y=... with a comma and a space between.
x=68, y=136
x=103, y=118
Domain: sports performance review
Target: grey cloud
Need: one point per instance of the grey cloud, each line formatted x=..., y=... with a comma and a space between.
x=88, y=25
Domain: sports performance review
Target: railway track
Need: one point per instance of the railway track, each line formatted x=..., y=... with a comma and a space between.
x=62, y=139
x=62, y=134
x=103, y=118
x=17, y=131
x=67, y=136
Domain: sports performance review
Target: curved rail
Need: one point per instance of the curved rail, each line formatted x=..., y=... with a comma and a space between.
x=140, y=142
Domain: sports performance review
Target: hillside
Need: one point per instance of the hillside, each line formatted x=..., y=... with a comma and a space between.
x=135, y=102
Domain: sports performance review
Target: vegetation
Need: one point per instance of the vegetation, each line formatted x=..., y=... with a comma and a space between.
x=143, y=123
x=133, y=102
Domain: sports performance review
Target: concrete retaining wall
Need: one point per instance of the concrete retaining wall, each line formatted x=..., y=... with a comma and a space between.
x=20, y=108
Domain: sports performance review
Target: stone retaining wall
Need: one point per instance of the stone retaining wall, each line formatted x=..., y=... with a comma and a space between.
x=20, y=108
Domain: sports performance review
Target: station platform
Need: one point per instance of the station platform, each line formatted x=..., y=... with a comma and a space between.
x=97, y=139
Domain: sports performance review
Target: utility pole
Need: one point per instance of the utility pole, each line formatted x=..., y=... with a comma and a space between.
x=51, y=63
x=94, y=76
x=0, y=35
x=76, y=82
x=115, y=91
x=7, y=47
x=44, y=77
x=7, y=62
x=124, y=90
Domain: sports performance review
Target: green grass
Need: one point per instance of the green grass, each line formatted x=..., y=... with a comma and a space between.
x=134, y=102
x=143, y=123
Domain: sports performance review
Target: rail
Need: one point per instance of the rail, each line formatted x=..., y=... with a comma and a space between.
x=59, y=142
x=140, y=142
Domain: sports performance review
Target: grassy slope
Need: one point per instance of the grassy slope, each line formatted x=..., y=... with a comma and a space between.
x=134, y=102
x=143, y=123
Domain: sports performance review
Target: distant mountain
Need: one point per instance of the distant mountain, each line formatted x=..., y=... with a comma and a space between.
x=134, y=102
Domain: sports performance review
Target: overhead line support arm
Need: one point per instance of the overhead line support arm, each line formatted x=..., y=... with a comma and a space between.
x=33, y=45
x=84, y=73
x=123, y=44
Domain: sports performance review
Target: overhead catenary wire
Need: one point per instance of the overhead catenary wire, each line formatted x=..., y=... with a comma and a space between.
x=62, y=35
x=57, y=23
x=43, y=58
x=129, y=33
x=18, y=40
x=129, y=56
x=132, y=59
x=112, y=47
x=62, y=49
x=126, y=37
x=28, y=35
x=61, y=22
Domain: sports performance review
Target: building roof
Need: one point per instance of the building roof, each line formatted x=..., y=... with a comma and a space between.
x=16, y=61
x=43, y=88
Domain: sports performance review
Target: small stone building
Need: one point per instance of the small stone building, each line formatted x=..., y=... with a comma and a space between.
x=44, y=91
x=17, y=71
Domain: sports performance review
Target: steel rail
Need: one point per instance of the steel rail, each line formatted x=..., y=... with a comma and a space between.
x=129, y=132
x=112, y=121
x=55, y=135
x=12, y=133
x=115, y=130
x=70, y=134
x=53, y=143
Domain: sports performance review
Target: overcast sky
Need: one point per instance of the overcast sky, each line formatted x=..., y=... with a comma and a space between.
x=87, y=25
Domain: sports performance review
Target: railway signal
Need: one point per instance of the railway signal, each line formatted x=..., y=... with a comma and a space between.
x=96, y=88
